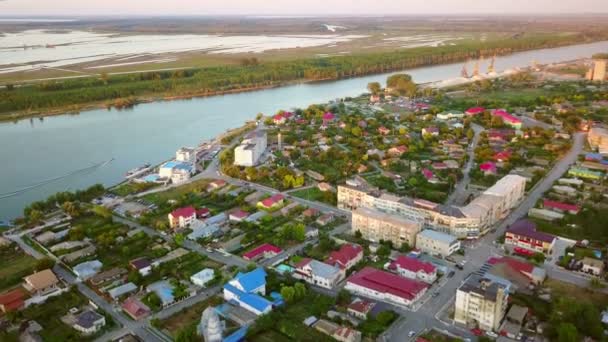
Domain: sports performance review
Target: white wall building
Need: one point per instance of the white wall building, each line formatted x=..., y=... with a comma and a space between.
x=203, y=277
x=482, y=302
x=250, y=150
x=318, y=273
x=434, y=242
x=186, y=154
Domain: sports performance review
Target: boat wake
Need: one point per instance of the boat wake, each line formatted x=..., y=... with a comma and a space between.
x=54, y=179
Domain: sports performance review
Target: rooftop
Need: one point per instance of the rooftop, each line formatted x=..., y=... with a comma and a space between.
x=483, y=286
x=319, y=268
x=412, y=264
x=251, y=280
x=41, y=280
x=184, y=212
x=438, y=236
x=344, y=255
x=387, y=283
x=261, y=249
x=87, y=319
x=527, y=228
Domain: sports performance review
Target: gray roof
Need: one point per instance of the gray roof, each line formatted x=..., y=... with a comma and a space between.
x=88, y=318
x=323, y=270
x=484, y=286
x=121, y=290
x=438, y=236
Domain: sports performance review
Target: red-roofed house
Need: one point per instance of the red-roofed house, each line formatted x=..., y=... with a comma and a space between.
x=216, y=184
x=262, y=251
x=500, y=134
x=272, y=201
x=502, y=156
x=474, y=111
x=360, y=308
x=523, y=235
x=238, y=215
x=383, y=130
x=507, y=118
x=203, y=213
x=397, y=150
x=535, y=274
x=279, y=119
x=136, y=309
x=421, y=106
x=381, y=285
x=12, y=300
x=328, y=117
x=488, y=168
x=428, y=174
x=439, y=166
x=413, y=268
x=182, y=217
x=346, y=257
x=561, y=207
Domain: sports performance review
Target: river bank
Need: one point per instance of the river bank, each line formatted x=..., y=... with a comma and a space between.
x=36, y=150
x=75, y=95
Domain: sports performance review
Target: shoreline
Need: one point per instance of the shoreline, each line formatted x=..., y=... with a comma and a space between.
x=76, y=109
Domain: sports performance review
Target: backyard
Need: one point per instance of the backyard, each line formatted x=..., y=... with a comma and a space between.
x=14, y=265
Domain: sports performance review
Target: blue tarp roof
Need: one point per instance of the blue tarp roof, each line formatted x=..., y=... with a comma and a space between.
x=251, y=280
x=238, y=335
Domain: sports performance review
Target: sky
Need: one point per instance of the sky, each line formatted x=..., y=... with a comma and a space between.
x=291, y=7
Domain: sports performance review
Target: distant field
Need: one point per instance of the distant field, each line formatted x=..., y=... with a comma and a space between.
x=134, y=45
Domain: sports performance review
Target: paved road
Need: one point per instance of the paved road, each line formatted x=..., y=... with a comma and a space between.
x=430, y=314
x=458, y=195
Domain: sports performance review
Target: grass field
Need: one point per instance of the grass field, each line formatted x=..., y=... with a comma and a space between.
x=188, y=316
x=161, y=197
x=314, y=194
x=14, y=265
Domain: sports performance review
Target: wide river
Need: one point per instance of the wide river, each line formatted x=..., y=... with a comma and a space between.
x=59, y=152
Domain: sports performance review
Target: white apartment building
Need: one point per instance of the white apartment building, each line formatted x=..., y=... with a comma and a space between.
x=470, y=221
x=250, y=150
x=376, y=225
x=482, y=302
x=434, y=242
x=186, y=154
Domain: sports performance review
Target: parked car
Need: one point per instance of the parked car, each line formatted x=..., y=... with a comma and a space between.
x=411, y=333
x=451, y=274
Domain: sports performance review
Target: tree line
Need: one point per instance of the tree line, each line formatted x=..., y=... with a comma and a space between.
x=255, y=74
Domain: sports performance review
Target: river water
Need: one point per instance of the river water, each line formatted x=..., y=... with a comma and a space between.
x=37, y=151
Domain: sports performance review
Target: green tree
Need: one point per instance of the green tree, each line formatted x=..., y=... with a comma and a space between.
x=288, y=293
x=566, y=332
x=179, y=239
x=300, y=290
x=43, y=264
x=374, y=88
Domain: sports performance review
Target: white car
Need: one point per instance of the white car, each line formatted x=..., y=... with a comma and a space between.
x=491, y=334
x=411, y=333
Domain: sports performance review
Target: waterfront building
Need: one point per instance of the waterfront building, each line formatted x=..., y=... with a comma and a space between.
x=482, y=302
x=251, y=149
x=597, y=72
x=186, y=154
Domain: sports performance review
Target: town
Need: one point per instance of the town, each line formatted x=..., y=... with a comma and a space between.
x=410, y=213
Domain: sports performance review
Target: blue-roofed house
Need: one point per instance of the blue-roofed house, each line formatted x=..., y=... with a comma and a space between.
x=247, y=291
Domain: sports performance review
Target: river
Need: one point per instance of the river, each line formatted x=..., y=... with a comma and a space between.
x=36, y=151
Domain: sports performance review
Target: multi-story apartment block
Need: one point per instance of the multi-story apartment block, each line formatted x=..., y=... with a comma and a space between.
x=375, y=225
x=250, y=150
x=482, y=302
x=470, y=221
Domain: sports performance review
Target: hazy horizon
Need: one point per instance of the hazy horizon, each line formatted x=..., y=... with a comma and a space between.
x=319, y=8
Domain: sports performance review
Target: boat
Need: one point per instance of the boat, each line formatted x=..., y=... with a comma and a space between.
x=138, y=171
